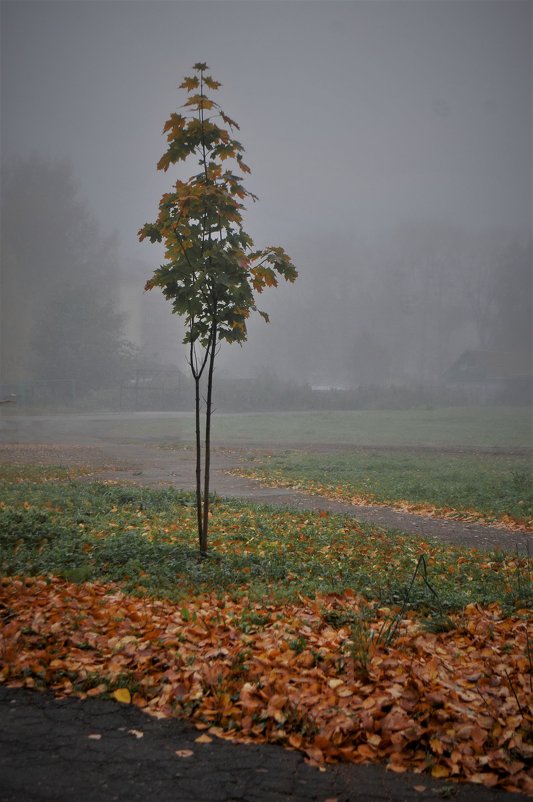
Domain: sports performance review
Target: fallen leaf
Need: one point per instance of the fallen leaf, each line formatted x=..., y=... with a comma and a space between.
x=440, y=772
x=203, y=739
x=184, y=752
x=95, y=736
x=122, y=695
x=137, y=733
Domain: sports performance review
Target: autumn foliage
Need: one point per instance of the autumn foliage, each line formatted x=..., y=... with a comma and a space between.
x=456, y=704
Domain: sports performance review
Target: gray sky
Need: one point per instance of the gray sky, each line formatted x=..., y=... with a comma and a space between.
x=353, y=114
x=358, y=116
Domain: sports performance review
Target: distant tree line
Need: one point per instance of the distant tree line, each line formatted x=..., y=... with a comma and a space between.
x=371, y=315
x=402, y=308
x=59, y=317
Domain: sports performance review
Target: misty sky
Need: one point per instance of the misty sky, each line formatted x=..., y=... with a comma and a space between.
x=356, y=117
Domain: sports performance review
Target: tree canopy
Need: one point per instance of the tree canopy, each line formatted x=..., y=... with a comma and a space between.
x=212, y=269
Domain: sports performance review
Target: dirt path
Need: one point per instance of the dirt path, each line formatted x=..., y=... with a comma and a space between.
x=151, y=465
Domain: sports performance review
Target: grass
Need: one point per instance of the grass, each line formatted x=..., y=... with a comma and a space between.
x=454, y=426
x=496, y=486
x=146, y=541
x=501, y=427
x=38, y=474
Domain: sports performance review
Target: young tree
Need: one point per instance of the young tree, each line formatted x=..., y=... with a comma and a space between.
x=211, y=269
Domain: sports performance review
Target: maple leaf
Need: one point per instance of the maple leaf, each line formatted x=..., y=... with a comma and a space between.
x=189, y=83
x=200, y=102
x=211, y=83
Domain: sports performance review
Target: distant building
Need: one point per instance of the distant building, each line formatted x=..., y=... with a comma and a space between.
x=494, y=375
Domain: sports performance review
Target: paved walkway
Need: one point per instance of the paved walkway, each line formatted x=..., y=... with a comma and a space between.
x=100, y=751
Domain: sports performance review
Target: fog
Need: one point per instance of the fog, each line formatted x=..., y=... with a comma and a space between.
x=390, y=144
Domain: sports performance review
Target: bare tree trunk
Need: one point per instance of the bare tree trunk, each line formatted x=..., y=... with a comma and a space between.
x=209, y=409
x=198, y=465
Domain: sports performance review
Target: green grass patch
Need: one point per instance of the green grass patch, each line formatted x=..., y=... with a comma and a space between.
x=453, y=426
x=493, y=485
x=39, y=473
x=507, y=427
x=146, y=541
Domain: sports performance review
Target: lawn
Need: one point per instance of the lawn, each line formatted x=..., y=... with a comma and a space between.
x=146, y=539
x=348, y=642
x=509, y=427
x=490, y=487
x=462, y=427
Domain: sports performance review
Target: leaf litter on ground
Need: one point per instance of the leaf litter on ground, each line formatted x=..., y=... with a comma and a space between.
x=313, y=674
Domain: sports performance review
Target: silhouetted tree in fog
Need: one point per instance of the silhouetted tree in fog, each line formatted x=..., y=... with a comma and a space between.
x=59, y=276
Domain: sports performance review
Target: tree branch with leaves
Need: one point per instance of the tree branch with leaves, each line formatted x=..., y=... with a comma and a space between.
x=212, y=272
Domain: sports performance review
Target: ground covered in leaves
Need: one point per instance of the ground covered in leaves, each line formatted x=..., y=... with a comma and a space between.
x=372, y=647
x=301, y=674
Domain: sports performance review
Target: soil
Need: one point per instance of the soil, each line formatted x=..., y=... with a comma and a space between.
x=151, y=464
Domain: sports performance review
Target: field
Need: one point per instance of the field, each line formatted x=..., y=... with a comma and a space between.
x=462, y=427
x=457, y=427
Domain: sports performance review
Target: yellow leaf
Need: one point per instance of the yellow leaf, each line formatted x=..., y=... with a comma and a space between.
x=203, y=739
x=440, y=771
x=122, y=695
x=189, y=83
